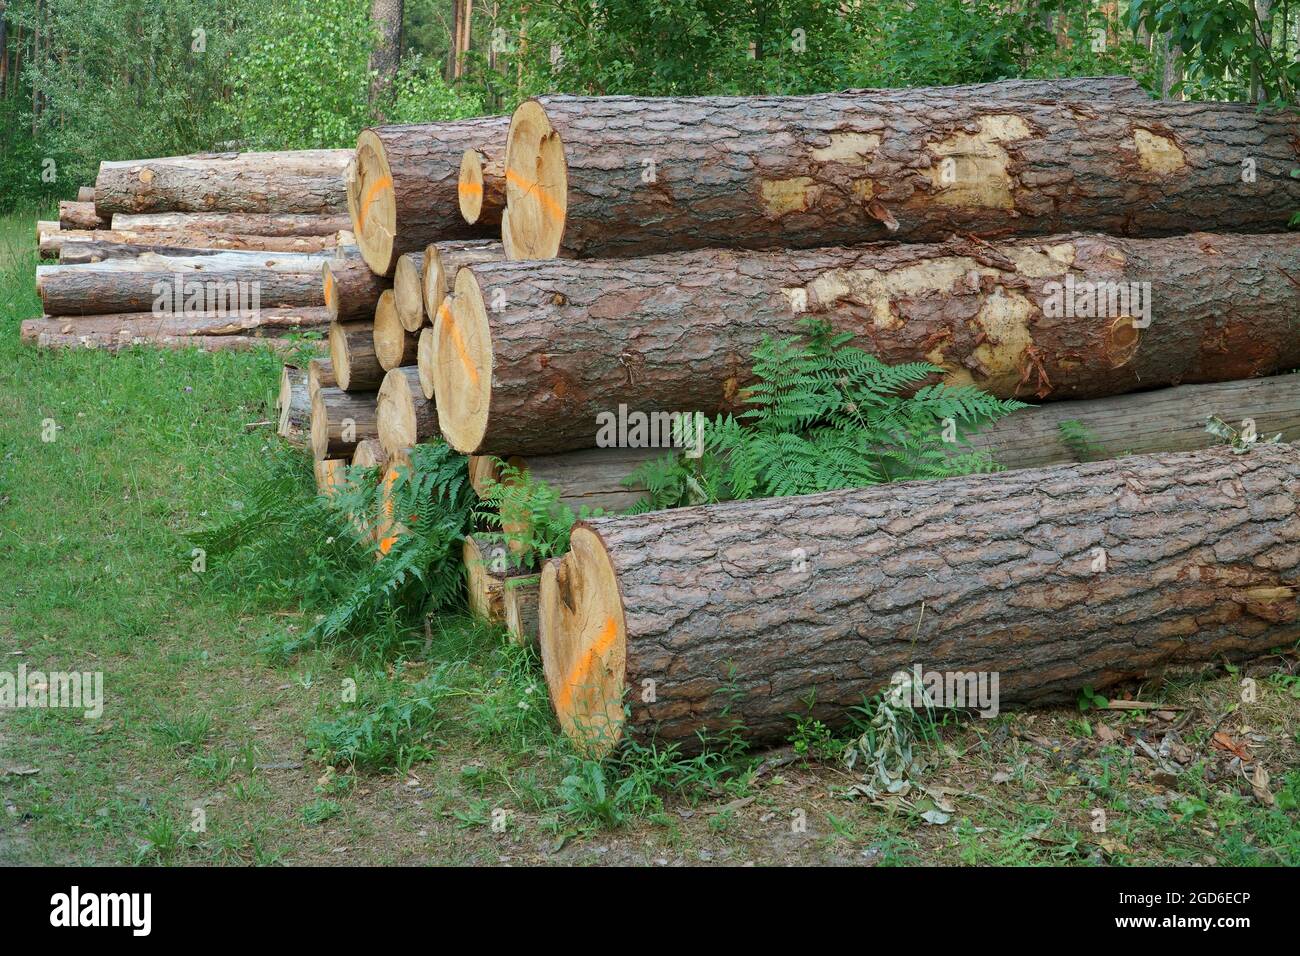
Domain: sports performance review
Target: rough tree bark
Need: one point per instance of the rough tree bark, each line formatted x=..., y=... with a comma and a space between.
x=299, y=181
x=594, y=478
x=339, y=420
x=386, y=57
x=351, y=291
x=235, y=223
x=1053, y=578
x=147, y=324
x=79, y=215
x=628, y=176
x=53, y=243
x=352, y=355
x=573, y=339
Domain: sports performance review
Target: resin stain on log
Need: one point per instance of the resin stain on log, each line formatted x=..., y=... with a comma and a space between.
x=1156, y=153
x=784, y=196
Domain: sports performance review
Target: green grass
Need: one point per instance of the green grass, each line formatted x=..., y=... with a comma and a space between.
x=212, y=751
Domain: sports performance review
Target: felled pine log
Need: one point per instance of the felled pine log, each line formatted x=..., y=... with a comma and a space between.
x=394, y=345
x=593, y=478
x=443, y=260
x=86, y=194
x=294, y=405
x=404, y=417
x=616, y=176
x=339, y=421
x=273, y=322
x=1050, y=578
x=320, y=374
x=235, y=281
x=268, y=224
x=1075, y=316
x=1162, y=420
x=404, y=194
x=352, y=355
x=43, y=334
x=79, y=215
x=481, y=188
x=307, y=181
x=519, y=601
x=82, y=245
x=351, y=290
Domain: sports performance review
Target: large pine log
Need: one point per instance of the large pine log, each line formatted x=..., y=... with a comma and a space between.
x=294, y=405
x=576, y=339
x=482, y=185
x=405, y=191
x=55, y=243
x=285, y=225
x=404, y=416
x=231, y=280
x=308, y=181
x=352, y=355
x=79, y=215
x=1053, y=578
x=629, y=176
x=394, y=345
x=339, y=420
x=351, y=290
x=1163, y=420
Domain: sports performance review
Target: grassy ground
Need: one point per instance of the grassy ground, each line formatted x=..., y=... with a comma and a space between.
x=95, y=575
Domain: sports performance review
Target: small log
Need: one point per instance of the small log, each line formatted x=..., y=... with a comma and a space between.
x=340, y=420
x=294, y=405
x=320, y=374
x=394, y=346
x=408, y=292
x=86, y=194
x=331, y=474
x=485, y=579
x=307, y=181
x=149, y=324
x=424, y=360
x=79, y=215
x=284, y=225
x=593, y=478
x=481, y=188
x=351, y=290
x=352, y=353
x=738, y=615
x=405, y=417
x=53, y=244
x=44, y=333
x=519, y=602
x=370, y=454
x=442, y=260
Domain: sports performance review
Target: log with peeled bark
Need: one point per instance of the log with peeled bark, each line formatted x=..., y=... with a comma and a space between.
x=52, y=244
x=1163, y=420
x=149, y=324
x=519, y=597
x=86, y=194
x=405, y=190
x=229, y=281
x=442, y=260
x=331, y=474
x=79, y=215
x=339, y=420
x=394, y=345
x=1051, y=578
x=282, y=225
x=481, y=190
x=405, y=417
x=46, y=231
x=351, y=290
x=320, y=374
x=630, y=176
x=81, y=252
x=306, y=181
x=1056, y=317
x=294, y=405
x=593, y=478
x=408, y=291
x=352, y=354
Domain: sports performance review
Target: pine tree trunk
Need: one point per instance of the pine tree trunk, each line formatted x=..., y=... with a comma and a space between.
x=1053, y=579
x=568, y=342
x=386, y=57
x=656, y=175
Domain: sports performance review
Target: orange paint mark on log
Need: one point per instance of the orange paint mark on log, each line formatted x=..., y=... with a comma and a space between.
x=329, y=288
x=527, y=185
x=459, y=342
x=386, y=544
x=472, y=189
x=383, y=182
x=580, y=673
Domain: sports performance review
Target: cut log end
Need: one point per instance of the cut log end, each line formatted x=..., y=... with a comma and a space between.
x=424, y=360
x=394, y=345
x=375, y=218
x=537, y=186
x=408, y=291
x=329, y=292
x=404, y=416
x=369, y=454
x=330, y=474
x=462, y=366
x=433, y=282
x=469, y=189
x=583, y=636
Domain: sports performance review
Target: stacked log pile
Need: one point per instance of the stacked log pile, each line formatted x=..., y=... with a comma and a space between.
x=1065, y=242
x=214, y=250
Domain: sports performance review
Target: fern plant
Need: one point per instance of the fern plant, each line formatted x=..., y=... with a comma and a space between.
x=825, y=415
x=528, y=515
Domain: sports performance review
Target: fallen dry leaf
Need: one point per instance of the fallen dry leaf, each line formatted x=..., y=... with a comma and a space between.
x=1225, y=742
